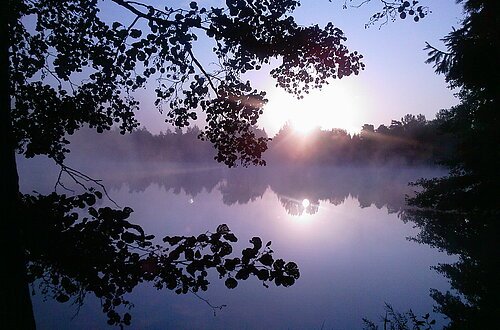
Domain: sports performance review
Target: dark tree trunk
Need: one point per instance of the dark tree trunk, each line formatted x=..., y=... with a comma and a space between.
x=16, y=311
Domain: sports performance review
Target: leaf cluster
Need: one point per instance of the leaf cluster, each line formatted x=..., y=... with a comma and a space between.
x=392, y=10
x=70, y=68
x=74, y=248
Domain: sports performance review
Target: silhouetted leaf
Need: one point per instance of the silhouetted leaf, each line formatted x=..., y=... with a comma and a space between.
x=135, y=33
x=62, y=298
x=266, y=260
x=231, y=283
x=230, y=237
x=257, y=242
x=222, y=229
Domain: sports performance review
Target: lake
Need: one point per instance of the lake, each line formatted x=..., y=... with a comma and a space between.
x=339, y=224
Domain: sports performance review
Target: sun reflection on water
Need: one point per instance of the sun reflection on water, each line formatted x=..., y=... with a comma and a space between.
x=299, y=209
x=306, y=203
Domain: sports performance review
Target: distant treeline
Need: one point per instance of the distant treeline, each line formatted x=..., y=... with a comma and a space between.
x=412, y=140
x=175, y=146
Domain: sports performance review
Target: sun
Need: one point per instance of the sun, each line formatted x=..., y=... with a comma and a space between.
x=302, y=122
x=333, y=107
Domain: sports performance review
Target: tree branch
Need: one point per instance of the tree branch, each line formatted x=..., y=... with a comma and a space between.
x=205, y=73
x=214, y=308
x=78, y=177
x=128, y=5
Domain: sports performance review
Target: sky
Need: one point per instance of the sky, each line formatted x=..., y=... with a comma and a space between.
x=395, y=82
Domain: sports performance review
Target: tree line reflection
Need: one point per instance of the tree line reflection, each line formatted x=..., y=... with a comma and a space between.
x=457, y=225
x=472, y=235
x=378, y=186
x=461, y=221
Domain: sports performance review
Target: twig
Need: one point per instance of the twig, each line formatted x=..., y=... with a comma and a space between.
x=78, y=177
x=214, y=308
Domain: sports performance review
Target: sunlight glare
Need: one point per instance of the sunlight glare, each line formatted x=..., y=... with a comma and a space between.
x=334, y=107
x=302, y=123
x=306, y=203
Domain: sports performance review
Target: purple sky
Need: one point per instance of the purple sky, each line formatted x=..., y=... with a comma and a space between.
x=396, y=80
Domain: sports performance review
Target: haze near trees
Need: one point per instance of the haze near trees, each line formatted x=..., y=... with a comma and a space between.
x=63, y=68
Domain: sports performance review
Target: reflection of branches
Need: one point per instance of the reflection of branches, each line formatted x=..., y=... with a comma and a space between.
x=457, y=215
x=394, y=319
x=382, y=187
x=297, y=207
x=242, y=189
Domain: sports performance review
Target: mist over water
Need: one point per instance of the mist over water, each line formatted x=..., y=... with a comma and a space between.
x=340, y=224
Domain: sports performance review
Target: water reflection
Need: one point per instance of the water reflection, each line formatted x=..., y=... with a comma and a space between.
x=381, y=187
x=299, y=207
x=352, y=257
x=471, y=234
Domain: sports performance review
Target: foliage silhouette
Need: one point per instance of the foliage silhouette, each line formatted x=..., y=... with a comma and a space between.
x=474, y=120
x=459, y=213
x=117, y=60
x=64, y=68
x=392, y=10
x=62, y=255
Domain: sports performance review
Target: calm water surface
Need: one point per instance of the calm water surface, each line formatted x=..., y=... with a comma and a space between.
x=340, y=225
